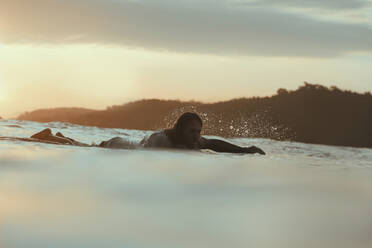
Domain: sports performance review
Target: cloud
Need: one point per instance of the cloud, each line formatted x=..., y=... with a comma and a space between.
x=197, y=28
x=322, y=4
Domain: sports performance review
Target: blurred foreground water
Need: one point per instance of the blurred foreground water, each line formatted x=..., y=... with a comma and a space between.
x=299, y=195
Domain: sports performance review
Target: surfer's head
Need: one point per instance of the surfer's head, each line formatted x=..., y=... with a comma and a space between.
x=187, y=129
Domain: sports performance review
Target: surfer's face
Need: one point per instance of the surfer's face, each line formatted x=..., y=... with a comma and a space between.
x=191, y=134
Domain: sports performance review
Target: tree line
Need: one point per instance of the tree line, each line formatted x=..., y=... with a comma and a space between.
x=312, y=113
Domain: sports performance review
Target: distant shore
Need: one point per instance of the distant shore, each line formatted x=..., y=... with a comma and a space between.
x=311, y=114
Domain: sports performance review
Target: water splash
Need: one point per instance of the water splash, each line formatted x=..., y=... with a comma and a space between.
x=255, y=125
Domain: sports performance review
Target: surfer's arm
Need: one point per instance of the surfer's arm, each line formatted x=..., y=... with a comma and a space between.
x=223, y=146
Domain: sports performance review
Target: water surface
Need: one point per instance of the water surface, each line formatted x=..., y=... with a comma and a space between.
x=299, y=195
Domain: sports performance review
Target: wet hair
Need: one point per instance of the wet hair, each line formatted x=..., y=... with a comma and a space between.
x=185, y=118
x=175, y=134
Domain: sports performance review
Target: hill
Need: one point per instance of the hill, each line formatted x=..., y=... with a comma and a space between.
x=54, y=114
x=312, y=114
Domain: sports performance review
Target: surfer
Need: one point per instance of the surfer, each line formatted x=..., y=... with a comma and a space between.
x=185, y=134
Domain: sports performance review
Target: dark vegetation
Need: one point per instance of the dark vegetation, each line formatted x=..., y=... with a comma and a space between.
x=54, y=114
x=311, y=114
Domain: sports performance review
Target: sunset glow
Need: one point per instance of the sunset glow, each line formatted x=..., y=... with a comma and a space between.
x=94, y=64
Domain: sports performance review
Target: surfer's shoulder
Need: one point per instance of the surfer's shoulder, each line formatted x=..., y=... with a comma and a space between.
x=158, y=139
x=203, y=143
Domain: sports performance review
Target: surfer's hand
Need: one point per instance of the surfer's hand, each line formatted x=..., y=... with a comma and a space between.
x=254, y=149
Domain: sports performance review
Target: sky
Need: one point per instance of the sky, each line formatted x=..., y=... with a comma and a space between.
x=97, y=53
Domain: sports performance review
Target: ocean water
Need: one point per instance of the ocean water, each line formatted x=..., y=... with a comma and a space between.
x=298, y=195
